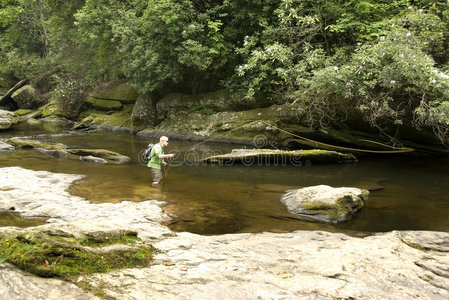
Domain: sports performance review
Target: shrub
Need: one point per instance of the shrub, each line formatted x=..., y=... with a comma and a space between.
x=385, y=83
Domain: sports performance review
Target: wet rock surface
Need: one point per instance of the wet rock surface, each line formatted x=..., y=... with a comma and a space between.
x=15, y=284
x=297, y=265
x=6, y=119
x=6, y=147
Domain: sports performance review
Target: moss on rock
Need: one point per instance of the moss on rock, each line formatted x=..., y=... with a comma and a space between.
x=23, y=112
x=104, y=104
x=51, y=110
x=102, y=153
x=102, y=118
x=324, y=203
x=343, y=207
x=27, y=143
x=279, y=157
x=122, y=92
x=52, y=254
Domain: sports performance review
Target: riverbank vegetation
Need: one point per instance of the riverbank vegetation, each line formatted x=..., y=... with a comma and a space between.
x=368, y=64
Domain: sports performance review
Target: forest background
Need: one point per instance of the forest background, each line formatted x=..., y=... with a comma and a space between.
x=385, y=61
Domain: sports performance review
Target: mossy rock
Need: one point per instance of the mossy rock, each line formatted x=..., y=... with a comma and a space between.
x=324, y=203
x=55, y=254
x=207, y=103
x=103, y=104
x=101, y=118
x=49, y=111
x=23, y=112
x=241, y=125
x=123, y=93
x=102, y=153
x=144, y=113
x=280, y=157
x=28, y=143
x=28, y=97
x=7, y=119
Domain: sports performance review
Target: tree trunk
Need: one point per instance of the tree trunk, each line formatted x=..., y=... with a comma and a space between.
x=44, y=29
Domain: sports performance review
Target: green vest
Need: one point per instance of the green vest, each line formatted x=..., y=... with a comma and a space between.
x=156, y=162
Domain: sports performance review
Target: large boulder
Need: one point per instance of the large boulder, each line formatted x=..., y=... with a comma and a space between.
x=205, y=103
x=144, y=113
x=325, y=203
x=121, y=92
x=244, y=126
x=28, y=97
x=6, y=119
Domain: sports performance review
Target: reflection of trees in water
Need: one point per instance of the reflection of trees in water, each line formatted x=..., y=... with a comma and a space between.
x=205, y=206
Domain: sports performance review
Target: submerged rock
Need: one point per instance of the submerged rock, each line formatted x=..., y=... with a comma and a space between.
x=101, y=153
x=325, y=203
x=279, y=157
x=94, y=159
x=61, y=150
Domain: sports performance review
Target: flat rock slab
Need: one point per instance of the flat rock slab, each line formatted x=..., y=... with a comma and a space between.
x=279, y=157
x=325, y=203
x=29, y=143
x=101, y=153
x=296, y=265
x=15, y=284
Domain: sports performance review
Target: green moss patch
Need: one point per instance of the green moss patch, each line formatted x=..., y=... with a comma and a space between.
x=23, y=112
x=114, y=237
x=343, y=207
x=97, y=117
x=103, y=104
x=53, y=254
x=51, y=110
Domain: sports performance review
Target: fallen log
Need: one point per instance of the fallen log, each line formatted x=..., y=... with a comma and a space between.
x=7, y=96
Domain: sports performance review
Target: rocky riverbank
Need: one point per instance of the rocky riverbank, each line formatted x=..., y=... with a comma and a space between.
x=301, y=264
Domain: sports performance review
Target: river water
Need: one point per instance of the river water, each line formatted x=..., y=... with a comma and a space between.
x=411, y=192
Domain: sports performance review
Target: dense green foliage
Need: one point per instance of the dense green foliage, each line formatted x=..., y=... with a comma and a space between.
x=385, y=61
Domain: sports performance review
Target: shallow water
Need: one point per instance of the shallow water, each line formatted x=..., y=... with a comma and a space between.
x=227, y=199
x=10, y=218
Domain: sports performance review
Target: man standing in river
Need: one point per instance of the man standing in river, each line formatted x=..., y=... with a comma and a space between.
x=157, y=160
